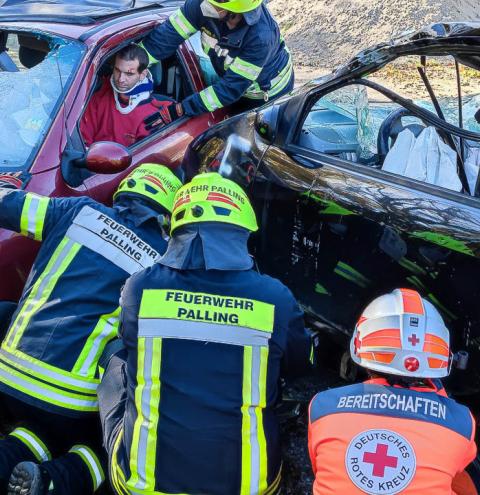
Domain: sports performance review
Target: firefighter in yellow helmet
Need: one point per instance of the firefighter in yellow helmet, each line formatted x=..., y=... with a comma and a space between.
x=187, y=407
x=251, y=63
x=66, y=315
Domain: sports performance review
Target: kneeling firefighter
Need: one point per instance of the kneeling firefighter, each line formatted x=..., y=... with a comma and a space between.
x=397, y=432
x=66, y=315
x=187, y=406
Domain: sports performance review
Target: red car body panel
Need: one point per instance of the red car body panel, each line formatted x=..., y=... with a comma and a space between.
x=167, y=147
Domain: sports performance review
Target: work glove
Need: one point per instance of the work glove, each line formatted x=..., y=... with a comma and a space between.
x=164, y=116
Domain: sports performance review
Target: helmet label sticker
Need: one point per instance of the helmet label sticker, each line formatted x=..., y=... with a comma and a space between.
x=380, y=462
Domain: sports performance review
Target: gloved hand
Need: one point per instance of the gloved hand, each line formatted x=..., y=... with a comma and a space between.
x=164, y=116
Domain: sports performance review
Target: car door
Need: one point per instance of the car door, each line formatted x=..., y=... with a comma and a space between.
x=354, y=230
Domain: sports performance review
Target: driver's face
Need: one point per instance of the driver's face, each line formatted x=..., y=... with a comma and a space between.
x=126, y=75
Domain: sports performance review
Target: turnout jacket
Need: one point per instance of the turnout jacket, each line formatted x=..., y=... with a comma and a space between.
x=252, y=61
x=374, y=438
x=69, y=307
x=205, y=349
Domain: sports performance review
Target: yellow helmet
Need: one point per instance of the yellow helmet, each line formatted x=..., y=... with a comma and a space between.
x=237, y=6
x=156, y=183
x=211, y=198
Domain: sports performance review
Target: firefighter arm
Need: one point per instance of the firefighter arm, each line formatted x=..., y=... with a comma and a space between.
x=241, y=74
x=164, y=40
x=23, y=212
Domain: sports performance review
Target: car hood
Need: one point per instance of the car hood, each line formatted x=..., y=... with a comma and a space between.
x=436, y=39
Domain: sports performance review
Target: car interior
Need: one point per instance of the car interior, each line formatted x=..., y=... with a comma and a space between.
x=417, y=134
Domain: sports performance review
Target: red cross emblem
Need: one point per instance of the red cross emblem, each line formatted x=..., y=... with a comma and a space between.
x=414, y=340
x=380, y=460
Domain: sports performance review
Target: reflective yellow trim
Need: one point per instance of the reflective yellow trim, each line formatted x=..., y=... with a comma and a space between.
x=184, y=305
x=42, y=289
x=247, y=399
x=92, y=462
x=34, y=444
x=210, y=99
x=134, y=479
x=181, y=24
x=116, y=475
x=46, y=393
x=245, y=69
x=262, y=441
x=105, y=330
x=33, y=216
x=48, y=373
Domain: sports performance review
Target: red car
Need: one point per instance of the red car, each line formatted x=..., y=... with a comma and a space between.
x=51, y=57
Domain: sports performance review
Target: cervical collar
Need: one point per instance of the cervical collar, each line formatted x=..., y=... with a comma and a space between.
x=140, y=92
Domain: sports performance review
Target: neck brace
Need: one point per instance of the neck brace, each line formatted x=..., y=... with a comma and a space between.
x=140, y=92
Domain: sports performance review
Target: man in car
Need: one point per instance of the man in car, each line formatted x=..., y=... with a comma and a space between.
x=117, y=110
x=245, y=47
x=189, y=407
x=67, y=314
x=397, y=432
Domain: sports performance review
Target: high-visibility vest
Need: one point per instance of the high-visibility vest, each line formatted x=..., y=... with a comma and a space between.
x=376, y=439
x=69, y=307
x=204, y=355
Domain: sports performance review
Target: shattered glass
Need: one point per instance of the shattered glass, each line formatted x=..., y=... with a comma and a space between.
x=29, y=100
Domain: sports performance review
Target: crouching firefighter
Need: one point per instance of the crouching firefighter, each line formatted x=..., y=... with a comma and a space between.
x=66, y=315
x=188, y=407
x=397, y=432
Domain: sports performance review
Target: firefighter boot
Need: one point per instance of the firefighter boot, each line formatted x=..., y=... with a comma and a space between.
x=28, y=478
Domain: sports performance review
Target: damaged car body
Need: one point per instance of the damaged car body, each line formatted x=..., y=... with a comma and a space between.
x=347, y=212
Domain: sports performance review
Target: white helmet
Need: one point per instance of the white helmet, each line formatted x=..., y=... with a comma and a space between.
x=402, y=334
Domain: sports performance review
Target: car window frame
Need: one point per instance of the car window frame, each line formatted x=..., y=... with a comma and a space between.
x=314, y=95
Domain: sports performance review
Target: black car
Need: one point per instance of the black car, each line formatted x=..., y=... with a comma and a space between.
x=338, y=226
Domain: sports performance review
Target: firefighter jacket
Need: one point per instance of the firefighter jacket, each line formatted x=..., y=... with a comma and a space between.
x=251, y=60
x=69, y=307
x=205, y=350
x=378, y=439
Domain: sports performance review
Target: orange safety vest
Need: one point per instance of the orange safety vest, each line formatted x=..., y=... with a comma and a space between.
x=377, y=439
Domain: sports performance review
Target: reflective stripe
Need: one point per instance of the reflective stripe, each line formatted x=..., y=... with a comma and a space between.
x=24, y=363
x=210, y=99
x=208, y=41
x=277, y=84
x=112, y=240
x=44, y=392
x=92, y=462
x=254, y=451
x=116, y=474
x=33, y=216
x=182, y=25
x=34, y=444
x=105, y=330
x=43, y=287
x=147, y=401
x=245, y=69
x=208, y=332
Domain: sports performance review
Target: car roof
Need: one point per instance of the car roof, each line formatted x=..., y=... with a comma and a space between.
x=78, y=12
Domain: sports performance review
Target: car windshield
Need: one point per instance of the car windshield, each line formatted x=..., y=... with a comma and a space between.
x=35, y=71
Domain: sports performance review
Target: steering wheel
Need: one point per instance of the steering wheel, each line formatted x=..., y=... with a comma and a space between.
x=391, y=127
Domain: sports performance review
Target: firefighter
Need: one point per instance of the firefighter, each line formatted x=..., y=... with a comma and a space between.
x=188, y=407
x=66, y=315
x=244, y=45
x=397, y=432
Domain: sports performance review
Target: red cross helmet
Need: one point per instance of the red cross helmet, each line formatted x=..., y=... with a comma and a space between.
x=402, y=334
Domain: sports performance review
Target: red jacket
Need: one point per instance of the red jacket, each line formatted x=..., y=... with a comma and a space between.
x=103, y=122
x=377, y=439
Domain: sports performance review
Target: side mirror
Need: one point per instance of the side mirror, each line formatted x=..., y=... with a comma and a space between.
x=106, y=157
x=266, y=123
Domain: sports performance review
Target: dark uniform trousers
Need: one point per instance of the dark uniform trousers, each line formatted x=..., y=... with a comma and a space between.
x=69, y=473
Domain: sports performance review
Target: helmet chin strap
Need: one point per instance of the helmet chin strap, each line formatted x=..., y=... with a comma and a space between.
x=140, y=92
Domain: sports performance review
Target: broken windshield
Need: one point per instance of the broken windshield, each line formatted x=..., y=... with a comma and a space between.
x=35, y=70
